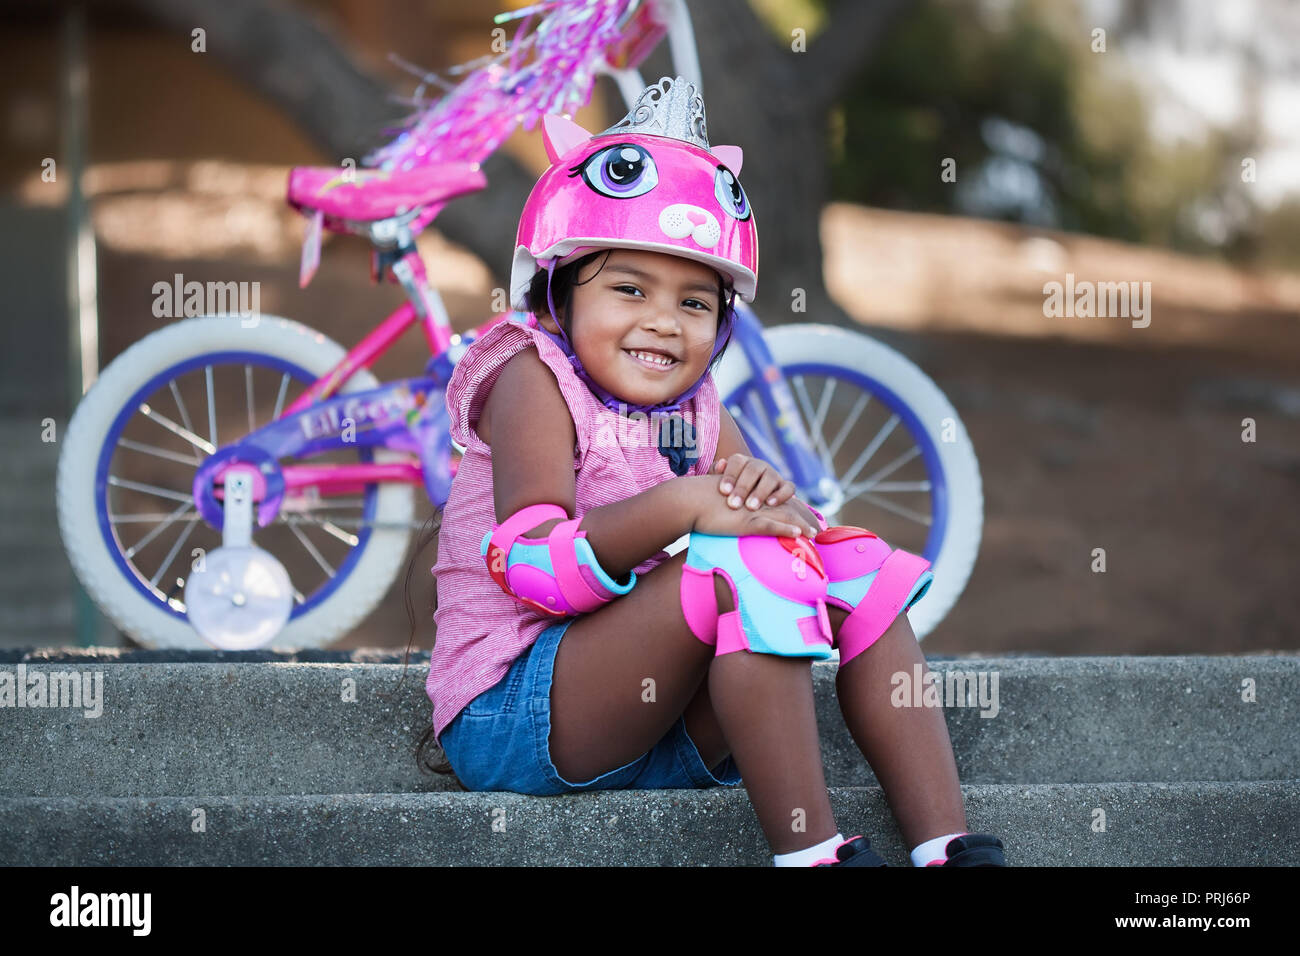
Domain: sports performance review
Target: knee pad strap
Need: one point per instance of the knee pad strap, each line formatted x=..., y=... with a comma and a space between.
x=821, y=518
x=700, y=603
x=778, y=588
x=558, y=576
x=900, y=581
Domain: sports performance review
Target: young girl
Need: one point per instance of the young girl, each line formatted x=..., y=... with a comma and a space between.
x=572, y=652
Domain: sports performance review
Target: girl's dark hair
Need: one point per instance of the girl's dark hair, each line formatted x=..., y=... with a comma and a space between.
x=566, y=277
x=429, y=755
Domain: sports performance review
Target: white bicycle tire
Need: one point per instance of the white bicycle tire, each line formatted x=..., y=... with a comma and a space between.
x=145, y=621
x=830, y=345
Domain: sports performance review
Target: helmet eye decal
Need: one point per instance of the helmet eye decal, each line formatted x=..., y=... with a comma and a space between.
x=731, y=197
x=623, y=171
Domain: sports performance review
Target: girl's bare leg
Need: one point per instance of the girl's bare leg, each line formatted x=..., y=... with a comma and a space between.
x=762, y=705
x=908, y=748
x=623, y=675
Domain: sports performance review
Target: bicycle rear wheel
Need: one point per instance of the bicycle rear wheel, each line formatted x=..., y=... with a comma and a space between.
x=897, y=448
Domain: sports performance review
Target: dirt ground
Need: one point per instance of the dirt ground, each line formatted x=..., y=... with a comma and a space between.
x=1139, y=453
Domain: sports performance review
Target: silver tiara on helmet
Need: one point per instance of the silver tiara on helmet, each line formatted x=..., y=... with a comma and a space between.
x=671, y=107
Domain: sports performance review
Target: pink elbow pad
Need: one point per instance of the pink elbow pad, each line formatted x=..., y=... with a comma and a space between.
x=558, y=575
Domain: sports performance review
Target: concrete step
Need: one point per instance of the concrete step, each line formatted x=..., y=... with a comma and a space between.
x=288, y=728
x=1207, y=823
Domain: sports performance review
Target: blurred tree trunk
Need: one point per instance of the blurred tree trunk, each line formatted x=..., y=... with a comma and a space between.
x=760, y=94
x=775, y=104
x=280, y=50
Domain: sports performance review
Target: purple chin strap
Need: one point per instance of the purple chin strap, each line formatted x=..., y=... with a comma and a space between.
x=676, y=439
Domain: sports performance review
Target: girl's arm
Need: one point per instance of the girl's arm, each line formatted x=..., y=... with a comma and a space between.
x=530, y=430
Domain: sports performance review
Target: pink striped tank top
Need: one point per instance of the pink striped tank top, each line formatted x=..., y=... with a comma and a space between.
x=480, y=629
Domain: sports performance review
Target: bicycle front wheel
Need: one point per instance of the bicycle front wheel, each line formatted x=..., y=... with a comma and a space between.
x=897, y=449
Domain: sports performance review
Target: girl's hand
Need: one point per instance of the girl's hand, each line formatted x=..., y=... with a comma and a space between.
x=807, y=515
x=752, y=482
x=712, y=515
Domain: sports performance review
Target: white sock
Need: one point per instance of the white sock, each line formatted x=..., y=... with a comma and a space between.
x=933, y=849
x=811, y=855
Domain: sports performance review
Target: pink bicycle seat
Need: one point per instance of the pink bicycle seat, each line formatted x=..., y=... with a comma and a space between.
x=364, y=195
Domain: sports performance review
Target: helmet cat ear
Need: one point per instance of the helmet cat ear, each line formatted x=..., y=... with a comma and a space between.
x=729, y=156
x=561, y=135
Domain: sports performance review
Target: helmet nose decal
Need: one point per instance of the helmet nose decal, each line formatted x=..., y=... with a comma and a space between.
x=682, y=220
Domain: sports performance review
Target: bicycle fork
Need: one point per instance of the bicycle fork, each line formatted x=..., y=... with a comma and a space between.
x=772, y=402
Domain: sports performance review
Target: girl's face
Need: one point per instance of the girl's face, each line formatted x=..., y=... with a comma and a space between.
x=643, y=302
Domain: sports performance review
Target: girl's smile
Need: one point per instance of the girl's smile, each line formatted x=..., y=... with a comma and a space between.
x=655, y=360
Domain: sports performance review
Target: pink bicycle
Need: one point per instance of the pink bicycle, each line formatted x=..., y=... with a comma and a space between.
x=215, y=427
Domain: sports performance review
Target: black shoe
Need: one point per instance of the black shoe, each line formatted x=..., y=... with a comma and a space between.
x=855, y=851
x=973, y=849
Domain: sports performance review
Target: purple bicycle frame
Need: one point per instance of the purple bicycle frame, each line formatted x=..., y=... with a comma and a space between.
x=404, y=415
x=790, y=441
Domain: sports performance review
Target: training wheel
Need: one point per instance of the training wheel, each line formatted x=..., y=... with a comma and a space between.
x=240, y=599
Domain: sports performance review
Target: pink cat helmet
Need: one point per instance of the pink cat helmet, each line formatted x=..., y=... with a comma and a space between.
x=649, y=182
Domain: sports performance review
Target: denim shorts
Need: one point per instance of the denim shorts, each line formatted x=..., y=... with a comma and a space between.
x=500, y=740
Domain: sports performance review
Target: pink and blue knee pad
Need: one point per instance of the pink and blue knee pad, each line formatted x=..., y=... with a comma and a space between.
x=781, y=587
x=778, y=589
x=870, y=580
